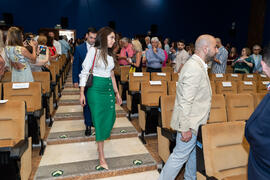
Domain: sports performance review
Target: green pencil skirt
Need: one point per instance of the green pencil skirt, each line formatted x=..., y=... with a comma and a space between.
x=101, y=101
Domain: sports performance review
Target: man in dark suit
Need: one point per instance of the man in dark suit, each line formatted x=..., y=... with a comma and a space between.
x=79, y=56
x=258, y=132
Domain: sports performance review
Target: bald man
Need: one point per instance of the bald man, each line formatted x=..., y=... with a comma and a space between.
x=191, y=109
x=220, y=61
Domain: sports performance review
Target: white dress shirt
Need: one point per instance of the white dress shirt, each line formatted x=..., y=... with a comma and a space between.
x=89, y=46
x=99, y=69
x=202, y=61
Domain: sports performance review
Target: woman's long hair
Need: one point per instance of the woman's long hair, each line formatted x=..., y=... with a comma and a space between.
x=14, y=37
x=102, y=43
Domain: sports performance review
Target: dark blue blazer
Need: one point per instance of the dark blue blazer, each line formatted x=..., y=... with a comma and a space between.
x=79, y=56
x=258, y=135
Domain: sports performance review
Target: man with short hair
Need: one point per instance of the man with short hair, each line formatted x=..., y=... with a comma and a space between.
x=220, y=61
x=257, y=132
x=257, y=59
x=191, y=109
x=154, y=57
x=147, y=42
x=65, y=47
x=181, y=56
x=79, y=56
x=56, y=44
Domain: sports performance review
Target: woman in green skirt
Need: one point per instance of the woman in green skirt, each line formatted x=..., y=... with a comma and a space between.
x=101, y=95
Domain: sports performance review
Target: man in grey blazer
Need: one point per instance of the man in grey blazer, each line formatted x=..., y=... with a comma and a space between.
x=191, y=109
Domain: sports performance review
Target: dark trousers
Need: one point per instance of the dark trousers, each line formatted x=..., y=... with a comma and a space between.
x=149, y=69
x=87, y=112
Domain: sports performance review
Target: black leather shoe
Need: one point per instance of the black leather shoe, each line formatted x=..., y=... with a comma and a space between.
x=88, y=131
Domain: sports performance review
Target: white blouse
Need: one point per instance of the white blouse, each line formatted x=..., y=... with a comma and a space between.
x=99, y=69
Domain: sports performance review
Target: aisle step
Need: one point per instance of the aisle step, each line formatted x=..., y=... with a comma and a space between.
x=78, y=160
x=73, y=131
x=69, y=100
x=75, y=112
x=71, y=91
x=148, y=175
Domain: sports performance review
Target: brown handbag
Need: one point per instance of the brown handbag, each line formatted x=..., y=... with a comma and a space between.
x=89, y=81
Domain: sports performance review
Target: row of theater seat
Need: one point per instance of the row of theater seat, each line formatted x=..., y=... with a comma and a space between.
x=221, y=148
x=23, y=116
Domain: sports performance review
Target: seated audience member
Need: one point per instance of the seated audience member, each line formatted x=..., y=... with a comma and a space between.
x=220, y=60
x=243, y=64
x=135, y=61
x=2, y=54
x=42, y=55
x=19, y=57
x=126, y=52
x=181, y=56
x=52, y=49
x=257, y=133
x=165, y=52
x=232, y=55
x=257, y=59
x=166, y=45
x=147, y=42
x=56, y=43
x=64, y=45
x=154, y=57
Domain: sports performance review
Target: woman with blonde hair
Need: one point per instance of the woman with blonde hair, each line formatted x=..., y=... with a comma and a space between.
x=2, y=54
x=244, y=64
x=17, y=53
x=135, y=60
x=43, y=54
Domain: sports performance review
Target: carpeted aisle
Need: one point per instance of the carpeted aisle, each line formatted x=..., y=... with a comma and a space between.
x=71, y=155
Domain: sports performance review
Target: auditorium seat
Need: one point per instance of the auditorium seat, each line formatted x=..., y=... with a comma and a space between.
x=263, y=77
x=6, y=77
x=234, y=77
x=213, y=87
x=246, y=87
x=124, y=70
x=164, y=76
x=163, y=146
x=250, y=77
x=167, y=69
x=172, y=87
x=166, y=107
x=151, y=91
x=33, y=98
x=133, y=94
x=217, y=77
x=226, y=87
x=229, y=69
x=262, y=86
x=166, y=136
x=175, y=76
x=218, y=109
x=136, y=78
x=15, y=147
x=258, y=97
x=239, y=106
x=224, y=151
x=44, y=79
x=0, y=91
